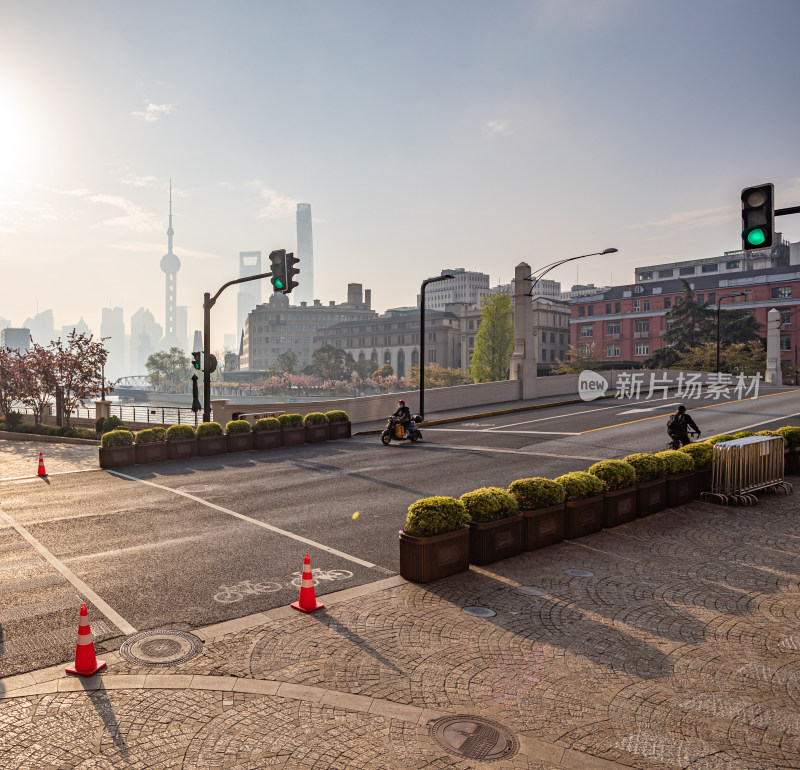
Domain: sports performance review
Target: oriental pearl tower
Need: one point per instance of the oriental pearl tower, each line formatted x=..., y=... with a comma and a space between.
x=170, y=265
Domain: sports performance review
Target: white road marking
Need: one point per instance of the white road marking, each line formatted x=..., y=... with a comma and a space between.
x=551, y=417
x=135, y=548
x=512, y=432
x=82, y=588
x=248, y=519
x=448, y=447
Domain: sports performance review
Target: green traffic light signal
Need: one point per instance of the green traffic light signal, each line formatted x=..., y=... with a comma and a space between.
x=756, y=237
x=196, y=360
x=278, y=268
x=277, y=283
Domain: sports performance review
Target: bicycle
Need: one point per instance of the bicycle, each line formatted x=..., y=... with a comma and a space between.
x=235, y=593
x=676, y=442
x=322, y=574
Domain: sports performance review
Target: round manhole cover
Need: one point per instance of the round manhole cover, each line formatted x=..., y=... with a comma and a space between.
x=160, y=648
x=480, y=612
x=532, y=591
x=579, y=572
x=474, y=737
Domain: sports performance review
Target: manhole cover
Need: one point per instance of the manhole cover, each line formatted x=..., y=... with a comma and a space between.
x=579, y=572
x=532, y=591
x=473, y=737
x=480, y=612
x=159, y=648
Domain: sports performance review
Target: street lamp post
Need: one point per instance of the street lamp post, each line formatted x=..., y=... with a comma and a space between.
x=719, y=305
x=422, y=340
x=103, y=374
x=543, y=271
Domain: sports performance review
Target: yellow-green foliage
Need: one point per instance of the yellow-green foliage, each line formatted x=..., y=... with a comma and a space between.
x=337, y=415
x=617, y=474
x=489, y=504
x=579, y=485
x=647, y=467
x=701, y=453
x=676, y=462
x=149, y=436
x=434, y=516
x=290, y=421
x=116, y=438
x=791, y=434
x=536, y=492
x=237, y=426
x=205, y=429
x=267, y=423
x=180, y=432
x=315, y=418
x=718, y=439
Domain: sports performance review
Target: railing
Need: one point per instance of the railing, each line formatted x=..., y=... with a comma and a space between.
x=641, y=335
x=612, y=336
x=159, y=415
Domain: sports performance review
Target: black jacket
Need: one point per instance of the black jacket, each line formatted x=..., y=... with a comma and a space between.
x=404, y=413
x=688, y=423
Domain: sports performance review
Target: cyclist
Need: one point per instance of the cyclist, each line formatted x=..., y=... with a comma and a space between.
x=678, y=426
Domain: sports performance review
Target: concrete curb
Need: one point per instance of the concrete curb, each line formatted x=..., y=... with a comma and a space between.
x=11, y=436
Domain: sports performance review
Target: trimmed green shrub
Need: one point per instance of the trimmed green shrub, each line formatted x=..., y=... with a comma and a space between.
x=85, y=433
x=267, y=423
x=647, y=467
x=743, y=434
x=536, y=492
x=12, y=420
x=290, y=421
x=337, y=415
x=151, y=436
x=106, y=424
x=772, y=434
x=160, y=433
x=238, y=426
x=434, y=516
x=579, y=485
x=205, y=429
x=617, y=474
x=179, y=432
x=117, y=438
x=717, y=439
x=701, y=453
x=315, y=418
x=489, y=504
x=676, y=462
x=791, y=434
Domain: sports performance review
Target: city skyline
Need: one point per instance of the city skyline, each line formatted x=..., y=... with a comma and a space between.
x=420, y=137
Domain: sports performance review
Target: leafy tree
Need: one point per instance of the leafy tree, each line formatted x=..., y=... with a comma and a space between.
x=36, y=379
x=364, y=368
x=579, y=357
x=9, y=381
x=438, y=376
x=495, y=341
x=687, y=321
x=738, y=358
x=330, y=363
x=77, y=366
x=169, y=370
x=735, y=326
x=385, y=371
x=285, y=363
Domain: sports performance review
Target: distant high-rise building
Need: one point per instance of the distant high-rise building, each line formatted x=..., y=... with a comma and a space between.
x=15, y=339
x=305, y=253
x=112, y=325
x=197, y=344
x=249, y=293
x=145, y=336
x=170, y=265
x=81, y=327
x=42, y=327
x=466, y=287
x=4, y=323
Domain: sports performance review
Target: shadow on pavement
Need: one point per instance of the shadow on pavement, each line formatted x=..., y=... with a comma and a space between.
x=102, y=705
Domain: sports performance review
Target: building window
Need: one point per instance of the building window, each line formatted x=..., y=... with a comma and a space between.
x=552, y=338
x=587, y=330
x=686, y=271
x=786, y=317
x=608, y=308
x=665, y=273
x=581, y=311
x=612, y=351
x=667, y=303
x=472, y=325
x=617, y=307
x=645, y=276
x=637, y=306
x=387, y=357
x=781, y=292
x=647, y=304
x=591, y=310
x=642, y=349
x=612, y=327
x=643, y=327
x=712, y=297
x=709, y=268
x=701, y=298
x=732, y=265
x=786, y=342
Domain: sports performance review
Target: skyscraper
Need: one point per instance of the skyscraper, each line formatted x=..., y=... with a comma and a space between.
x=112, y=326
x=170, y=265
x=305, y=253
x=249, y=293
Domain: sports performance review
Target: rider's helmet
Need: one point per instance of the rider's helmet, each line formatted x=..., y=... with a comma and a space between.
x=681, y=408
x=401, y=402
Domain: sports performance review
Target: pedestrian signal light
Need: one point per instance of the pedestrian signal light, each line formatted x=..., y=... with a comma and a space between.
x=196, y=360
x=278, y=268
x=291, y=272
x=758, y=217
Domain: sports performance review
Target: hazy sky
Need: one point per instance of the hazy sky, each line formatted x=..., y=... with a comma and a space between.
x=425, y=135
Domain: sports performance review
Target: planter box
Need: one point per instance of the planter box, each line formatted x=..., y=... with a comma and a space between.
x=340, y=429
x=423, y=559
x=791, y=462
x=182, y=449
x=293, y=436
x=651, y=497
x=494, y=540
x=316, y=433
x=543, y=527
x=702, y=482
x=117, y=456
x=680, y=489
x=212, y=445
x=619, y=507
x=266, y=439
x=239, y=442
x=155, y=452
x=584, y=517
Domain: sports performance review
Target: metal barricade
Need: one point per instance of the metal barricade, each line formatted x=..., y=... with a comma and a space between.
x=744, y=466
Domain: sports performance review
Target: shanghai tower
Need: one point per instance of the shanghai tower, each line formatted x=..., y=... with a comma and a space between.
x=305, y=253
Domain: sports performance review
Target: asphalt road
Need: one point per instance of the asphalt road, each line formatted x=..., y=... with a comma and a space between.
x=184, y=545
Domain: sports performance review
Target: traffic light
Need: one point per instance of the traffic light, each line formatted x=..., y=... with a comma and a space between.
x=758, y=217
x=291, y=272
x=196, y=363
x=279, y=278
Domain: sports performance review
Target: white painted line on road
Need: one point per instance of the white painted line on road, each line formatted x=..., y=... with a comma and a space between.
x=57, y=473
x=82, y=588
x=448, y=447
x=135, y=548
x=552, y=417
x=241, y=516
x=512, y=432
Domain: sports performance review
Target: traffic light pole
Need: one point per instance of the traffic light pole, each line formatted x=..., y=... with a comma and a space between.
x=208, y=303
x=422, y=339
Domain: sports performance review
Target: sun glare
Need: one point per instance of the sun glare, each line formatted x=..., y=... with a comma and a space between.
x=15, y=135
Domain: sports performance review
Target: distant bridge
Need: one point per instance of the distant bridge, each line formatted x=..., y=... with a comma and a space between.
x=138, y=381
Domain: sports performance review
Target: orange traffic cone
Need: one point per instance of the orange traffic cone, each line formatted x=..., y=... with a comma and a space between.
x=308, y=600
x=86, y=663
x=42, y=471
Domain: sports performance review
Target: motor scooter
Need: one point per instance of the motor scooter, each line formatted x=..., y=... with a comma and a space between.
x=396, y=431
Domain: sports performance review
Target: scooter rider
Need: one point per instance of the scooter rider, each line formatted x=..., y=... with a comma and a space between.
x=678, y=426
x=403, y=413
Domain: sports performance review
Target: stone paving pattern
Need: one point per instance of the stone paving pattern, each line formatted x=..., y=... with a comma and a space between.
x=681, y=651
x=21, y=458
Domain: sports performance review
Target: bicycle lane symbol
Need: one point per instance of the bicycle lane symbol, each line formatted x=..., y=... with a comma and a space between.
x=235, y=592
x=322, y=574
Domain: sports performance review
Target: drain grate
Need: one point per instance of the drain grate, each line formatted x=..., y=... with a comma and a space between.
x=473, y=737
x=160, y=648
x=480, y=612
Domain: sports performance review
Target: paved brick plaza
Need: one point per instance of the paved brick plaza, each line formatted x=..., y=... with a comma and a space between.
x=681, y=650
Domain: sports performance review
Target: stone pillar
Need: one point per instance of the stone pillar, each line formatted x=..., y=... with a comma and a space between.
x=523, y=359
x=773, y=374
x=102, y=409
